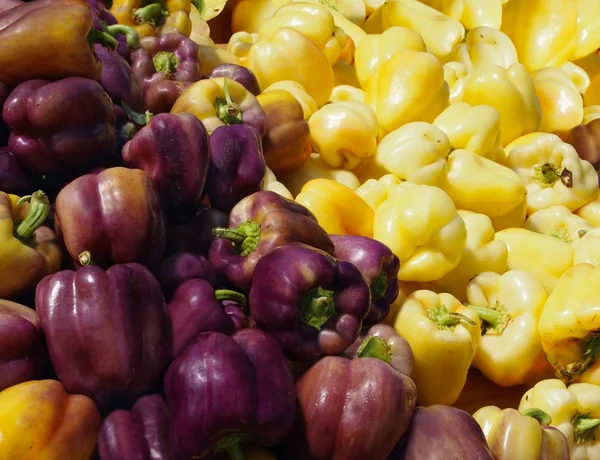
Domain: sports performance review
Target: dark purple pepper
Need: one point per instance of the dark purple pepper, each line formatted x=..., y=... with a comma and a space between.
x=106, y=22
x=197, y=235
x=12, y=177
x=181, y=267
x=239, y=73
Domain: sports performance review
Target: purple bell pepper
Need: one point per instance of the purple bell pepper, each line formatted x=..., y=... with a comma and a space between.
x=237, y=165
x=173, y=151
x=108, y=332
x=181, y=267
x=239, y=73
x=378, y=264
x=196, y=307
x=59, y=126
x=118, y=79
x=311, y=303
x=257, y=224
x=105, y=22
x=196, y=236
x=222, y=391
x=165, y=66
x=12, y=176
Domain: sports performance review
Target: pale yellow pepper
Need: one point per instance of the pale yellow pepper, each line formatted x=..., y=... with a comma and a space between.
x=587, y=248
x=409, y=87
x=248, y=15
x=343, y=93
x=239, y=45
x=271, y=183
x=577, y=75
x=590, y=112
x=353, y=11
x=473, y=128
x=338, y=208
x=344, y=74
x=543, y=31
x=560, y=101
x=415, y=152
x=512, y=93
x=552, y=172
x=444, y=336
x=480, y=185
x=289, y=55
x=376, y=49
x=588, y=28
x=509, y=306
x=455, y=75
x=591, y=211
x=512, y=219
x=482, y=253
x=559, y=222
x=441, y=33
x=405, y=289
x=421, y=226
x=344, y=133
x=309, y=105
x=574, y=410
x=376, y=191
x=471, y=13
x=545, y=257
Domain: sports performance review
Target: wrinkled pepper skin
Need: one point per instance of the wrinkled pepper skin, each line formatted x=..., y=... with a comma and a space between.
x=379, y=266
x=258, y=401
x=195, y=236
x=23, y=354
x=115, y=215
x=125, y=344
x=28, y=249
x=139, y=434
x=181, y=267
x=257, y=224
x=333, y=421
x=237, y=165
x=196, y=308
x=62, y=125
x=66, y=24
x=174, y=151
x=237, y=73
x=165, y=66
x=313, y=304
x=12, y=176
x=444, y=432
x=39, y=420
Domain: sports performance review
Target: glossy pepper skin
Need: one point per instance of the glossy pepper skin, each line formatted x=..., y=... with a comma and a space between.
x=61, y=125
x=174, y=151
x=238, y=73
x=378, y=265
x=115, y=215
x=165, y=66
x=181, y=267
x=333, y=421
x=312, y=303
x=126, y=346
x=197, y=235
x=12, y=177
x=237, y=165
x=28, y=249
x=258, y=402
x=257, y=224
x=38, y=420
x=23, y=354
x=154, y=18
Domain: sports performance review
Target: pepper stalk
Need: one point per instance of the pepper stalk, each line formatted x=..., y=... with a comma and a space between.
x=375, y=347
x=443, y=319
x=494, y=319
x=228, y=111
x=316, y=307
x=245, y=237
x=591, y=349
x=39, y=210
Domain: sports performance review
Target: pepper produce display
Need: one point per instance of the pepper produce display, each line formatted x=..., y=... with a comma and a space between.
x=299, y=229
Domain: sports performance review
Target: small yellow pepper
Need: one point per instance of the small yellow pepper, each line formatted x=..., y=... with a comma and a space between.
x=343, y=93
x=591, y=211
x=471, y=13
x=577, y=75
x=376, y=191
x=338, y=208
x=309, y=106
x=509, y=305
x=559, y=222
x=248, y=15
x=587, y=248
x=240, y=43
x=588, y=28
x=444, y=336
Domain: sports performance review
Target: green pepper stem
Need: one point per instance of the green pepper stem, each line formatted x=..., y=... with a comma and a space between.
x=228, y=294
x=496, y=319
x=542, y=417
x=446, y=320
x=245, y=237
x=232, y=445
x=39, y=210
x=97, y=37
x=375, y=347
x=379, y=286
x=141, y=119
x=591, y=349
x=133, y=39
x=583, y=428
x=228, y=111
x=316, y=307
x=85, y=259
x=165, y=62
x=153, y=14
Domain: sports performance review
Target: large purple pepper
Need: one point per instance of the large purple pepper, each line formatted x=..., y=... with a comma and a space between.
x=311, y=303
x=239, y=73
x=181, y=267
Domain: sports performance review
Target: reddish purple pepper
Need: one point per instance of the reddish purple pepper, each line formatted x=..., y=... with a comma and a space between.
x=181, y=267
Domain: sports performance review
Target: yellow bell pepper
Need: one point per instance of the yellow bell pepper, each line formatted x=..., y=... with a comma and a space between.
x=40, y=421
x=509, y=305
x=591, y=112
x=577, y=75
x=480, y=185
x=591, y=212
x=473, y=128
x=240, y=43
x=210, y=56
x=471, y=13
x=344, y=133
x=352, y=30
x=154, y=18
x=289, y=55
x=441, y=33
x=552, y=172
x=543, y=31
x=343, y=93
x=271, y=183
x=405, y=289
x=455, y=75
x=545, y=257
x=512, y=93
x=444, y=336
x=338, y=208
x=409, y=87
x=574, y=410
x=482, y=253
x=421, y=226
x=344, y=74
x=248, y=15
x=376, y=191
x=587, y=248
x=316, y=168
x=374, y=23
x=376, y=49
x=515, y=436
x=560, y=101
x=512, y=219
x=309, y=105
x=559, y=222
x=415, y=152
x=588, y=28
